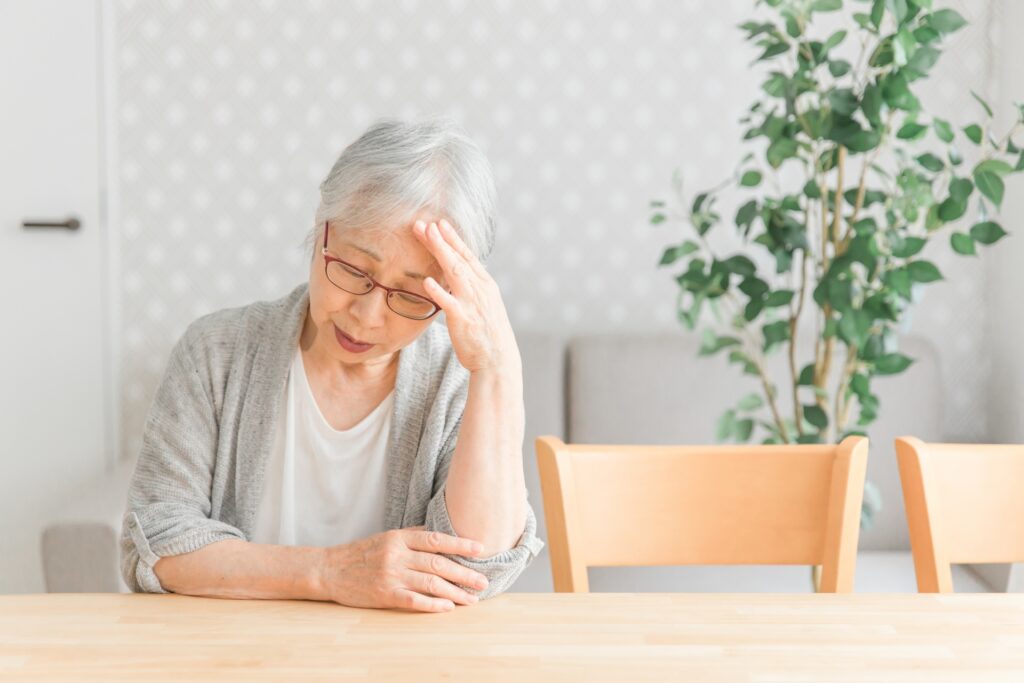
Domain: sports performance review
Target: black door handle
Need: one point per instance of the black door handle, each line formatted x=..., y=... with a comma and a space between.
x=70, y=224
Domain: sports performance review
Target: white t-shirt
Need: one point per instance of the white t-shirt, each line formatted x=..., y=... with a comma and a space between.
x=322, y=486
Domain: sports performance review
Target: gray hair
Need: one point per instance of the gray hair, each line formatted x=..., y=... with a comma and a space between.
x=397, y=169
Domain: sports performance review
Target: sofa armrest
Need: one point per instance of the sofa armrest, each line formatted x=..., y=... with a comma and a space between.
x=80, y=546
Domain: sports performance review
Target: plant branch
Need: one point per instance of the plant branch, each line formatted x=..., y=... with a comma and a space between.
x=770, y=395
x=842, y=405
x=794, y=317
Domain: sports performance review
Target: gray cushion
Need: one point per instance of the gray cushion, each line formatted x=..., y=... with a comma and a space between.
x=80, y=548
x=654, y=388
x=544, y=396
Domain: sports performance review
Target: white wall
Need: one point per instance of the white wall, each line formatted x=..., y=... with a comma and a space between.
x=229, y=114
x=1006, y=278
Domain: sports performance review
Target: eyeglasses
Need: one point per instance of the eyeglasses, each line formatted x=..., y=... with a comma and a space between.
x=348, y=278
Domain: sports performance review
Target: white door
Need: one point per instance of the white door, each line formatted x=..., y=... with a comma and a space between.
x=52, y=377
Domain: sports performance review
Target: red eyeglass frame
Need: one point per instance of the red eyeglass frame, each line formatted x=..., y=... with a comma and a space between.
x=328, y=258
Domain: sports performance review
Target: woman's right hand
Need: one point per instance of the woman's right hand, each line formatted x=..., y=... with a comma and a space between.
x=402, y=568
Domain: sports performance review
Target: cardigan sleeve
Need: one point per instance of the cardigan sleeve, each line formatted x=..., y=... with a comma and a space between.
x=502, y=569
x=169, y=498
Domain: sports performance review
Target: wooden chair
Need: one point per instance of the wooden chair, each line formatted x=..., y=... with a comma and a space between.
x=673, y=505
x=964, y=504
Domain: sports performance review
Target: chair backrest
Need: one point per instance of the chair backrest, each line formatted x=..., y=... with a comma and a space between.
x=670, y=505
x=964, y=504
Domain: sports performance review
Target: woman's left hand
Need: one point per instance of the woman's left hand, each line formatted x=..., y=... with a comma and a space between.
x=478, y=323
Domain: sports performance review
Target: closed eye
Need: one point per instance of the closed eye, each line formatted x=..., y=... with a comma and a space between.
x=411, y=298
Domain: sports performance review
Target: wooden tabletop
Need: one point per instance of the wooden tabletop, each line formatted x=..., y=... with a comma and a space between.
x=522, y=637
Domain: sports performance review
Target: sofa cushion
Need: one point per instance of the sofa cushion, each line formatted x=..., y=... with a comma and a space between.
x=654, y=388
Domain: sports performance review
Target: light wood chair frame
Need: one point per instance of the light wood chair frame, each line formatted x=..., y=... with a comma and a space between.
x=631, y=505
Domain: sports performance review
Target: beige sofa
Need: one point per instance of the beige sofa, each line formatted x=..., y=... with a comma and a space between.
x=624, y=388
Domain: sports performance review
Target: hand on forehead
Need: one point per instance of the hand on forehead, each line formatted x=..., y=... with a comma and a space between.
x=395, y=250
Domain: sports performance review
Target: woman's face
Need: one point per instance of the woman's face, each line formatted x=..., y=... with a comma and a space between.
x=395, y=259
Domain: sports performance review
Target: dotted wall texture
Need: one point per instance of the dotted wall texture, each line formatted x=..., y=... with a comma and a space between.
x=228, y=115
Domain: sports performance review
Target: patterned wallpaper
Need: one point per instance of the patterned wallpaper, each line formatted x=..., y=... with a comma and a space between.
x=228, y=114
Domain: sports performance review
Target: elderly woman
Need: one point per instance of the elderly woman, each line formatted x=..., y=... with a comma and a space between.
x=337, y=444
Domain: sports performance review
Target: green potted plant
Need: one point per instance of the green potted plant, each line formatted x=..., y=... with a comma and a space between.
x=848, y=179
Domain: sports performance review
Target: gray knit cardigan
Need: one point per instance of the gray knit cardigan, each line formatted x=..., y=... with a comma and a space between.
x=211, y=426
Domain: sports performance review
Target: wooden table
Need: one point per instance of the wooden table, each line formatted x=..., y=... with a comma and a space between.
x=518, y=637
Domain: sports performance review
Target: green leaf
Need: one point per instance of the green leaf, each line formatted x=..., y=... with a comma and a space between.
x=747, y=213
x=898, y=9
x=973, y=133
x=773, y=50
x=816, y=416
x=903, y=46
x=673, y=254
x=931, y=162
x=843, y=100
x=658, y=218
x=751, y=179
x=698, y=202
x=871, y=105
x=742, y=429
x=892, y=364
x=877, y=12
x=737, y=356
x=923, y=59
x=780, y=150
x=859, y=384
x=826, y=5
x=960, y=189
x=946, y=21
x=911, y=131
x=898, y=281
x=739, y=264
x=962, y=244
x=896, y=93
x=943, y=130
x=754, y=287
x=987, y=232
x=793, y=27
x=712, y=344
x=854, y=326
x=910, y=247
x=863, y=141
x=839, y=292
x=834, y=40
x=994, y=166
x=725, y=426
x=951, y=209
x=778, y=298
x=750, y=402
x=990, y=185
x=775, y=333
x=806, y=378
x=923, y=271
x=926, y=35
x=753, y=309
x=839, y=67
x=983, y=103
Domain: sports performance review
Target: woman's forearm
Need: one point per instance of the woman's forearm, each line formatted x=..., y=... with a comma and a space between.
x=486, y=488
x=243, y=570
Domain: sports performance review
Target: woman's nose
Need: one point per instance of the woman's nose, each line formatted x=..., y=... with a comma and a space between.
x=371, y=309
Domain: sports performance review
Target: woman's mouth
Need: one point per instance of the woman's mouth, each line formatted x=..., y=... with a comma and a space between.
x=350, y=344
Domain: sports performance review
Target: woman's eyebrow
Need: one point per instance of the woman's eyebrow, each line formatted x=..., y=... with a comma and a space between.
x=378, y=259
